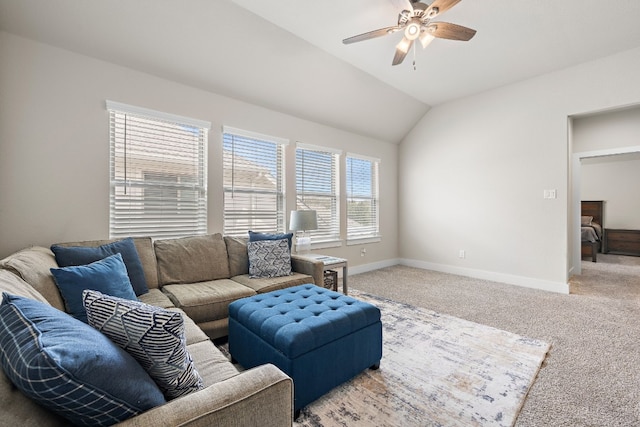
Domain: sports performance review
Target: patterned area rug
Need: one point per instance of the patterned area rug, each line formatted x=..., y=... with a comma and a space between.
x=436, y=370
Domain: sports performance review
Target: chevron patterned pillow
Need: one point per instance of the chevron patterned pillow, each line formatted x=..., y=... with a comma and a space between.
x=152, y=335
x=269, y=258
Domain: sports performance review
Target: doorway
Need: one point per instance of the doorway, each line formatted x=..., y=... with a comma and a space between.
x=597, y=138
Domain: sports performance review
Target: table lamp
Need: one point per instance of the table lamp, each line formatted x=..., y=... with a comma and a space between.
x=303, y=221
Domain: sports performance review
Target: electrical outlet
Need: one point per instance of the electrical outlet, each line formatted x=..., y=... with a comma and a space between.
x=461, y=254
x=363, y=252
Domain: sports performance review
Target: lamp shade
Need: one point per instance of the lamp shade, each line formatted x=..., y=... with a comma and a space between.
x=303, y=220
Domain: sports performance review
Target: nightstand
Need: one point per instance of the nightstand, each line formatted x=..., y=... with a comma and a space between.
x=330, y=263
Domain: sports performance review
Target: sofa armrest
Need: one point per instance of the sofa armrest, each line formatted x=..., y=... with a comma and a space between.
x=310, y=266
x=262, y=396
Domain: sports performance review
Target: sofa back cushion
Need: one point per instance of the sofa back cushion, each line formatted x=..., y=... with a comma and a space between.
x=33, y=266
x=238, y=255
x=144, y=246
x=14, y=285
x=192, y=259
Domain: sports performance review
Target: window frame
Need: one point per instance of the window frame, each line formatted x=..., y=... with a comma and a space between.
x=354, y=238
x=321, y=238
x=280, y=145
x=145, y=215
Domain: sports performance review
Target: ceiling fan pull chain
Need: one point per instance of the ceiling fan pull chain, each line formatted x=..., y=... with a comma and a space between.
x=414, y=57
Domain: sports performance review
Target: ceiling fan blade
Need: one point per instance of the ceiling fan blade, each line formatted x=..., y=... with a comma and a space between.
x=402, y=49
x=446, y=30
x=440, y=6
x=371, y=34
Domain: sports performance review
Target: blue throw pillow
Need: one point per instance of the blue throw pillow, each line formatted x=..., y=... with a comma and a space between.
x=108, y=276
x=152, y=335
x=70, y=256
x=255, y=237
x=69, y=367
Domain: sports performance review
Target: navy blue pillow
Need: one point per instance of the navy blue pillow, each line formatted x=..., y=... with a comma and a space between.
x=69, y=367
x=108, y=276
x=255, y=237
x=81, y=255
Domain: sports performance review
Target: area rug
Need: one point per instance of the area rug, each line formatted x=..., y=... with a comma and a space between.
x=436, y=370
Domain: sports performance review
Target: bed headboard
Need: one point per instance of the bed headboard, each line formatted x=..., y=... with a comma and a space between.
x=594, y=209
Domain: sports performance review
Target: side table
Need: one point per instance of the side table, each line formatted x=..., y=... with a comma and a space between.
x=331, y=262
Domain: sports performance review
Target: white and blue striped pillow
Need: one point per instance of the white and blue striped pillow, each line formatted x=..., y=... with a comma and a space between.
x=152, y=335
x=69, y=367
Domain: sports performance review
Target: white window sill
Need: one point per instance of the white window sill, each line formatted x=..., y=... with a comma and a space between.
x=326, y=244
x=363, y=240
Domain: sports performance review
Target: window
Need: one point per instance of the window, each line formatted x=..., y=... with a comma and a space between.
x=362, y=197
x=158, y=173
x=253, y=182
x=317, y=189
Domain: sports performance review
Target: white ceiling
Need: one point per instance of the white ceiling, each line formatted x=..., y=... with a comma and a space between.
x=287, y=55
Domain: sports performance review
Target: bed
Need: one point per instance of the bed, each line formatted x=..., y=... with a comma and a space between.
x=591, y=226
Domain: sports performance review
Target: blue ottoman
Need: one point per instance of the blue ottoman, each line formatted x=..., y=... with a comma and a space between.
x=320, y=338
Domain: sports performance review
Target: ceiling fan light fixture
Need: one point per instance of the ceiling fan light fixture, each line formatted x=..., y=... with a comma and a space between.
x=412, y=31
x=404, y=45
x=426, y=38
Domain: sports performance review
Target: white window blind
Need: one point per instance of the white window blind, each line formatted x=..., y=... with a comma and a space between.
x=158, y=173
x=362, y=197
x=317, y=189
x=253, y=182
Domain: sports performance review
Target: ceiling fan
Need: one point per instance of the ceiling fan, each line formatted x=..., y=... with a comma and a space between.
x=416, y=23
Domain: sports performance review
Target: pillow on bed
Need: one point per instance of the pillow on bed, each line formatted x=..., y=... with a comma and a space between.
x=586, y=220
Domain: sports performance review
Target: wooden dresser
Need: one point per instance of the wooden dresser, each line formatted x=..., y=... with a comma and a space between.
x=622, y=242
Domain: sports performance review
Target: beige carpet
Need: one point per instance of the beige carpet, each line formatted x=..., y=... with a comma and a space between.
x=591, y=376
x=436, y=370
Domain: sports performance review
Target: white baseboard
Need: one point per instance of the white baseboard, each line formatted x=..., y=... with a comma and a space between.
x=364, y=268
x=509, y=279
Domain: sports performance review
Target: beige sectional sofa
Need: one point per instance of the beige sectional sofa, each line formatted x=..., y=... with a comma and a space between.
x=197, y=276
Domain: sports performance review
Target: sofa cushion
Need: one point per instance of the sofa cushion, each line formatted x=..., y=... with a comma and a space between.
x=192, y=332
x=206, y=301
x=237, y=254
x=108, y=275
x=256, y=237
x=156, y=297
x=14, y=285
x=269, y=258
x=212, y=364
x=34, y=265
x=152, y=335
x=269, y=284
x=69, y=367
x=192, y=259
x=69, y=256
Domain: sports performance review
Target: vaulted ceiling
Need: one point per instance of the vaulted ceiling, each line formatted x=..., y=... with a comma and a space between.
x=288, y=55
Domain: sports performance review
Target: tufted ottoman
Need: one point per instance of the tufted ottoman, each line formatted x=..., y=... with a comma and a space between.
x=320, y=338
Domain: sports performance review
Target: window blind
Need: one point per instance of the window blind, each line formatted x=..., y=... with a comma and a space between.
x=317, y=189
x=362, y=197
x=157, y=173
x=253, y=183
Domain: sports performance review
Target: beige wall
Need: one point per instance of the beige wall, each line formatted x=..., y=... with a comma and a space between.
x=54, y=147
x=473, y=173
